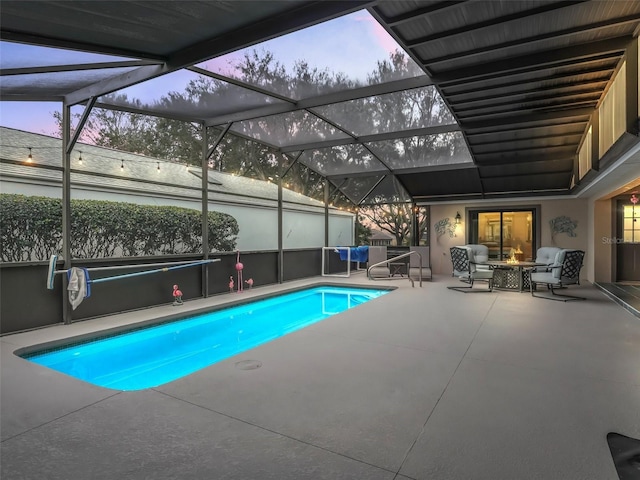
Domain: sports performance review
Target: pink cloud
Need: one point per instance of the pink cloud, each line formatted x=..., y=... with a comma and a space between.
x=224, y=65
x=385, y=41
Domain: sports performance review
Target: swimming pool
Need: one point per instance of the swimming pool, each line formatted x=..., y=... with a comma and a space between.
x=155, y=355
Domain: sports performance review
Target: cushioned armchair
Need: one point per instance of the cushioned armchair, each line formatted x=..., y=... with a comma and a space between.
x=465, y=268
x=546, y=255
x=564, y=271
x=480, y=255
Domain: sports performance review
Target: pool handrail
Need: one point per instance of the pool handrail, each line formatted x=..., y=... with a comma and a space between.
x=390, y=260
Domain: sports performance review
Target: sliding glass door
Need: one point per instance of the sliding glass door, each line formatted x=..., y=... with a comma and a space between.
x=507, y=233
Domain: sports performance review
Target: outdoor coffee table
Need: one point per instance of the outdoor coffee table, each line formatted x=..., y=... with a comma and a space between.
x=511, y=275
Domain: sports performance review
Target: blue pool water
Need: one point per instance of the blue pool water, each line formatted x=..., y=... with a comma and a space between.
x=156, y=355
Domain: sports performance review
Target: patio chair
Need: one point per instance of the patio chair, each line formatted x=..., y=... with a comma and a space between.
x=414, y=263
x=565, y=271
x=480, y=255
x=546, y=255
x=378, y=254
x=464, y=267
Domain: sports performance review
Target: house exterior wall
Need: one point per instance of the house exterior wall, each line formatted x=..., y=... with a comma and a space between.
x=576, y=209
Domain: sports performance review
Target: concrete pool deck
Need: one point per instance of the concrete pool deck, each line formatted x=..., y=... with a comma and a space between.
x=423, y=383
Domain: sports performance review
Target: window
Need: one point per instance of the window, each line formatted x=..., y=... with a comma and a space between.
x=631, y=224
x=507, y=233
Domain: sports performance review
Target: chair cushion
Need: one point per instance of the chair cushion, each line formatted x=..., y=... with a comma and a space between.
x=547, y=255
x=480, y=252
x=545, y=277
x=482, y=274
x=556, y=269
x=470, y=254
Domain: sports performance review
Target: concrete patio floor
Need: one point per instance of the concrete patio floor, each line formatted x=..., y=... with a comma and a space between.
x=422, y=383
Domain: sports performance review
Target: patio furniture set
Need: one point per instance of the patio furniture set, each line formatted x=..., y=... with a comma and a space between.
x=554, y=267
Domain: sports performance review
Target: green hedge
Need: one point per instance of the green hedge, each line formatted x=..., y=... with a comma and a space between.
x=31, y=229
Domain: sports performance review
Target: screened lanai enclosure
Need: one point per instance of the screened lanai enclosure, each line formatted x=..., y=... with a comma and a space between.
x=184, y=131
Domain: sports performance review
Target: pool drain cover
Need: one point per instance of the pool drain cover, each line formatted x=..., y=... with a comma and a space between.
x=248, y=364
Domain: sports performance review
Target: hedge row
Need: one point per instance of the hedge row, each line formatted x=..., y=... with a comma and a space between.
x=31, y=229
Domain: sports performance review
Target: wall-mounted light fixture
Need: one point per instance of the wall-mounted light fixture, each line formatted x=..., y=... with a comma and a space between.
x=458, y=218
x=80, y=158
x=30, y=157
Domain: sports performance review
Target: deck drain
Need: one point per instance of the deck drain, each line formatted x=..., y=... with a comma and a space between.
x=248, y=364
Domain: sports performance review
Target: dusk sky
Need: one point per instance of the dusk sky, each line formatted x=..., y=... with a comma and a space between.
x=352, y=44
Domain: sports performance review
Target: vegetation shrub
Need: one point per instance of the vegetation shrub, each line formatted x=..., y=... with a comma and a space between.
x=31, y=229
